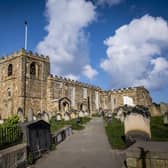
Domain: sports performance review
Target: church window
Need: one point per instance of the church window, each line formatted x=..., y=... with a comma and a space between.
x=32, y=68
x=114, y=101
x=84, y=93
x=9, y=92
x=10, y=69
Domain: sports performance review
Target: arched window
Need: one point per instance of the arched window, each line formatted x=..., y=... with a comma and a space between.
x=33, y=68
x=9, y=92
x=10, y=69
x=114, y=101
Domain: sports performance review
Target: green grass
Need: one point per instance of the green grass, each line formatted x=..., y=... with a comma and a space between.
x=115, y=131
x=95, y=115
x=158, y=130
x=85, y=120
x=56, y=125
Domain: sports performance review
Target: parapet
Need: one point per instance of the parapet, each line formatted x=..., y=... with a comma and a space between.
x=23, y=52
x=120, y=90
x=78, y=83
x=71, y=81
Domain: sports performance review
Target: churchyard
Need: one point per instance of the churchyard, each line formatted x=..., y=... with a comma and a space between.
x=29, y=138
x=115, y=131
x=128, y=130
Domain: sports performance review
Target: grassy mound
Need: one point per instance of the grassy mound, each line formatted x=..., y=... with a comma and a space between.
x=159, y=131
x=115, y=133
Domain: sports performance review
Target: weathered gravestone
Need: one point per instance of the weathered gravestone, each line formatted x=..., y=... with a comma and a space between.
x=66, y=116
x=1, y=121
x=137, y=124
x=30, y=115
x=58, y=117
x=81, y=114
x=165, y=118
x=45, y=116
x=86, y=113
x=73, y=115
x=50, y=115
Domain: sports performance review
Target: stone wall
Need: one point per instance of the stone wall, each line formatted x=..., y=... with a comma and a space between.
x=147, y=155
x=110, y=100
x=82, y=96
x=10, y=85
x=155, y=109
x=163, y=108
x=13, y=157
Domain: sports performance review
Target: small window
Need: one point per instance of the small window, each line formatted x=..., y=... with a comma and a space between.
x=9, y=92
x=32, y=68
x=115, y=101
x=10, y=69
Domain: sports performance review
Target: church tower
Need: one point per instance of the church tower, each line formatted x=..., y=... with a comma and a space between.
x=23, y=80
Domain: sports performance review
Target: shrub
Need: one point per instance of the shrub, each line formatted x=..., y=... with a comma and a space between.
x=11, y=121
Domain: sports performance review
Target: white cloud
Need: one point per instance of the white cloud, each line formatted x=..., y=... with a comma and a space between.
x=135, y=53
x=108, y=2
x=66, y=42
x=89, y=72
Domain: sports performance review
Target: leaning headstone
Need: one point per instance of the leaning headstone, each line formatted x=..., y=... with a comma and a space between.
x=30, y=115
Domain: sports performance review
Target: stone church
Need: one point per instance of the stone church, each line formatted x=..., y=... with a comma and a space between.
x=26, y=86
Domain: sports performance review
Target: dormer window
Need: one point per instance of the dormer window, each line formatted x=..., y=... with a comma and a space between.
x=33, y=68
x=10, y=69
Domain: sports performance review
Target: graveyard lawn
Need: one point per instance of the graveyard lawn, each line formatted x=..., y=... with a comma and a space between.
x=56, y=125
x=96, y=115
x=85, y=120
x=115, y=134
x=159, y=131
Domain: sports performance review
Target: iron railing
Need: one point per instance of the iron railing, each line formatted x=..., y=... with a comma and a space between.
x=10, y=136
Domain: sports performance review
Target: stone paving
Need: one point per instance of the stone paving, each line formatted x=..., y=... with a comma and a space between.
x=88, y=148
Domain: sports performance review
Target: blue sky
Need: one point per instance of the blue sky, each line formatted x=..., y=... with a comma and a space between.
x=109, y=43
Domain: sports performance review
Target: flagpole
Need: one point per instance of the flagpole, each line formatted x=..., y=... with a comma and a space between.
x=25, y=35
x=25, y=69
